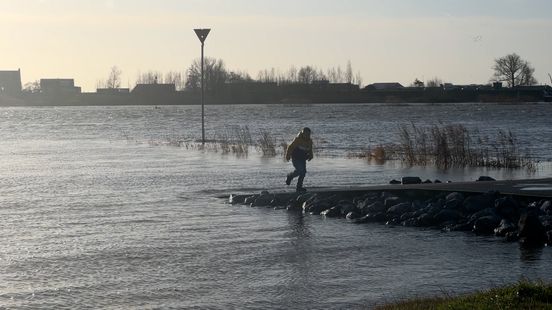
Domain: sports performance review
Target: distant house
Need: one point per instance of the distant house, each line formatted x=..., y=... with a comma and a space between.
x=113, y=91
x=10, y=82
x=59, y=87
x=154, y=89
x=384, y=86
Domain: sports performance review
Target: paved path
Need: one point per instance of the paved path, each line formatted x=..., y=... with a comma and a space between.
x=532, y=187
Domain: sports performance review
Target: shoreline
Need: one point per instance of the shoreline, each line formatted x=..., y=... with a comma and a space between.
x=501, y=208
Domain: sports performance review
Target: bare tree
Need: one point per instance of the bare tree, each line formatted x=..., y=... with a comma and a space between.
x=114, y=78
x=215, y=74
x=176, y=78
x=514, y=71
x=417, y=83
x=32, y=87
x=349, y=73
x=434, y=82
x=150, y=77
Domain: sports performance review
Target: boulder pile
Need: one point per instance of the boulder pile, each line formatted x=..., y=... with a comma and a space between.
x=527, y=220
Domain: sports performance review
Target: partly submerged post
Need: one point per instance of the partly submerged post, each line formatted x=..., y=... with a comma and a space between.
x=202, y=35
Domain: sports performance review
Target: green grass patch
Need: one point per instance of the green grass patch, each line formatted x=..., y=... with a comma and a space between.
x=523, y=295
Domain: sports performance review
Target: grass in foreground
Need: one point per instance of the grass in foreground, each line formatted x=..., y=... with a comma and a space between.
x=523, y=295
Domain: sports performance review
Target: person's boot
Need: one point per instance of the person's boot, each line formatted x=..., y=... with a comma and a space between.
x=288, y=179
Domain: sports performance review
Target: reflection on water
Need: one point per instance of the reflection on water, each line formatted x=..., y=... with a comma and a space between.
x=95, y=216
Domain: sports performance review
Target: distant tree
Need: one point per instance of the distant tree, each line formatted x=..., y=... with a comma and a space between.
x=238, y=77
x=114, y=78
x=514, y=71
x=434, y=82
x=215, y=74
x=306, y=75
x=417, y=83
x=32, y=87
x=349, y=73
x=150, y=77
x=176, y=78
x=358, y=79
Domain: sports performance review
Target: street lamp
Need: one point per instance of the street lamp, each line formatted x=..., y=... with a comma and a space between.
x=202, y=35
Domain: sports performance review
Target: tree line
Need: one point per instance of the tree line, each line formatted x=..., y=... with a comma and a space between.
x=511, y=69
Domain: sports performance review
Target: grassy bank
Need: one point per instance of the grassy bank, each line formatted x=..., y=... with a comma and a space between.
x=523, y=295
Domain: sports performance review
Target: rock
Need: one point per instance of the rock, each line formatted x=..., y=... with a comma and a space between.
x=485, y=225
x=485, y=179
x=447, y=215
x=426, y=220
x=346, y=207
x=353, y=215
x=486, y=212
x=507, y=207
x=400, y=208
x=375, y=207
x=332, y=212
x=393, y=222
x=316, y=207
x=411, y=180
x=234, y=199
x=531, y=231
x=427, y=181
x=249, y=200
x=546, y=207
x=462, y=227
x=478, y=202
x=371, y=218
x=505, y=227
x=412, y=222
x=408, y=215
x=549, y=236
x=263, y=200
x=546, y=221
x=391, y=201
x=512, y=236
x=437, y=181
x=454, y=201
x=394, y=182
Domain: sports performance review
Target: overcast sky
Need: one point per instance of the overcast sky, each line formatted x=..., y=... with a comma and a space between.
x=391, y=40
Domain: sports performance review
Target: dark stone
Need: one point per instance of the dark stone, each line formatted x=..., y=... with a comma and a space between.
x=485, y=225
x=546, y=221
x=427, y=181
x=505, y=227
x=394, y=182
x=531, y=231
x=393, y=222
x=426, y=220
x=507, y=207
x=411, y=180
x=447, y=215
x=400, y=208
x=353, y=215
x=454, y=201
x=478, y=202
x=411, y=222
x=370, y=218
x=332, y=212
x=546, y=207
x=462, y=227
x=375, y=207
x=512, y=236
x=408, y=215
x=437, y=181
x=315, y=207
x=391, y=201
x=346, y=207
x=249, y=200
x=263, y=200
x=486, y=212
x=485, y=179
x=235, y=199
x=549, y=236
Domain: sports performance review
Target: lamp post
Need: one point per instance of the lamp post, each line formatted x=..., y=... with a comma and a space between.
x=202, y=35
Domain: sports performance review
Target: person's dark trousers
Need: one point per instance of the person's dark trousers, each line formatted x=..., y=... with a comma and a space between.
x=300, y=166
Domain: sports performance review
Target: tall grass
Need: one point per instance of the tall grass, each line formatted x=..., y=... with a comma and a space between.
x=448, y=146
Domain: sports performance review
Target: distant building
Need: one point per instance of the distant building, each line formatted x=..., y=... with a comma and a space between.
x=113, y=91
x=10, y=82
x=59, y=87
x=384, y=86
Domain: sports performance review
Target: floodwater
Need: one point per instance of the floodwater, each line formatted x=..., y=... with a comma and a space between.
x=100, y=207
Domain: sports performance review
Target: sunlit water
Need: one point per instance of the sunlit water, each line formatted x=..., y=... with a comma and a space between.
x=98, y=210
